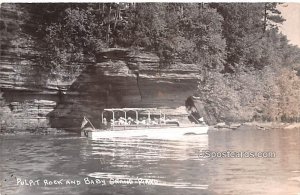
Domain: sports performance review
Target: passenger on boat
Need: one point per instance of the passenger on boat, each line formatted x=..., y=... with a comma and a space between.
x=121, y=121
x=162, y=120
x=112, y=122
x=154, y=122
x=104, y=121
x=129, y=120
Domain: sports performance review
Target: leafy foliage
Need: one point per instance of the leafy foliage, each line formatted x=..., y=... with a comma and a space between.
x=187, y=32
x=9, y=29
x=73, y=38
x=237, y=36
x=264, y=95
x=249, y=30
x=74, y=32
x=272, y=16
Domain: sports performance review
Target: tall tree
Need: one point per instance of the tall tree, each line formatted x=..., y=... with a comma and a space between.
x=244, y=30
x=189, y=32
x=272, y=16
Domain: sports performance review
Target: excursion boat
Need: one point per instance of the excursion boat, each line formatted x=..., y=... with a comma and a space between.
x=147, y=122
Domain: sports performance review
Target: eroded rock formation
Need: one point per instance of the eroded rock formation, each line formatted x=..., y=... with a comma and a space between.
x=122, y=78
x=118, y=78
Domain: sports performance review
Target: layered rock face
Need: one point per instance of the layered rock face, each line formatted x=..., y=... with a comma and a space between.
x=118, y=78
x=122, y=78
x=27, y=93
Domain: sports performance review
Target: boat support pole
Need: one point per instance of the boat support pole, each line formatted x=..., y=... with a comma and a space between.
x=90, y=123
x=113, y=125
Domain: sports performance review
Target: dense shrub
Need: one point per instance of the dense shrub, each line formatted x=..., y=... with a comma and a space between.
x=267, y=95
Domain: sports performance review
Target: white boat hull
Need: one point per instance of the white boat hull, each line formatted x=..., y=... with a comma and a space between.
x=152, y=133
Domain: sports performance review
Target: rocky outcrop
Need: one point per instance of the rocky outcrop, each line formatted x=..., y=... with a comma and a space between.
x=122, y=78
x=29, y=95
x=118, y=78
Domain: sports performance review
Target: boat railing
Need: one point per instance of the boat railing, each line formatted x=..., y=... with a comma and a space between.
x=144, y=126
x=124, y=121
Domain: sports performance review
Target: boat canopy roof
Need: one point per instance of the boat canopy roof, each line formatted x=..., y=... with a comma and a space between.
x=129, y=109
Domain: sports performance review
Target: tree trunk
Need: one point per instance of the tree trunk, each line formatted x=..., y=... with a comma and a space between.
x=108, y=25
x=265, y=18
x=117, y=16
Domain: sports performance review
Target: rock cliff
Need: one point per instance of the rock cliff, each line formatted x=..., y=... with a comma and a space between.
x=119, y=78
x=123, y=78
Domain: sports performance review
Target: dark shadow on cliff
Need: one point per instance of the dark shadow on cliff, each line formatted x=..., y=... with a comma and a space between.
x=87, y=96
x=198, y=109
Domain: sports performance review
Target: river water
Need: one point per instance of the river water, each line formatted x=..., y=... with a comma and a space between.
x=69, y=164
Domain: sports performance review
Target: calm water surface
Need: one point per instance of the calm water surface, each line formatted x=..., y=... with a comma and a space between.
x=173, y=166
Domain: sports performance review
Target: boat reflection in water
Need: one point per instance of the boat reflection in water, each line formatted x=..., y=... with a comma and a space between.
x=149, y=158
x=148, y=122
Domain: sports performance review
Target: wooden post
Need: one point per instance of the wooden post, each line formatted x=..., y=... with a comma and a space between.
x=149, y=119
x=113, y=124
x=125, y=120
x=160, y=117
x=136, y=116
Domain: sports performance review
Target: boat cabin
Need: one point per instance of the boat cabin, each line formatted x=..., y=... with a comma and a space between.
x=135, y=117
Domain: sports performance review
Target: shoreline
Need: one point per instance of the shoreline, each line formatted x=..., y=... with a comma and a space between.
x=254, y=125
x=218, y=127
x=37, y=131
